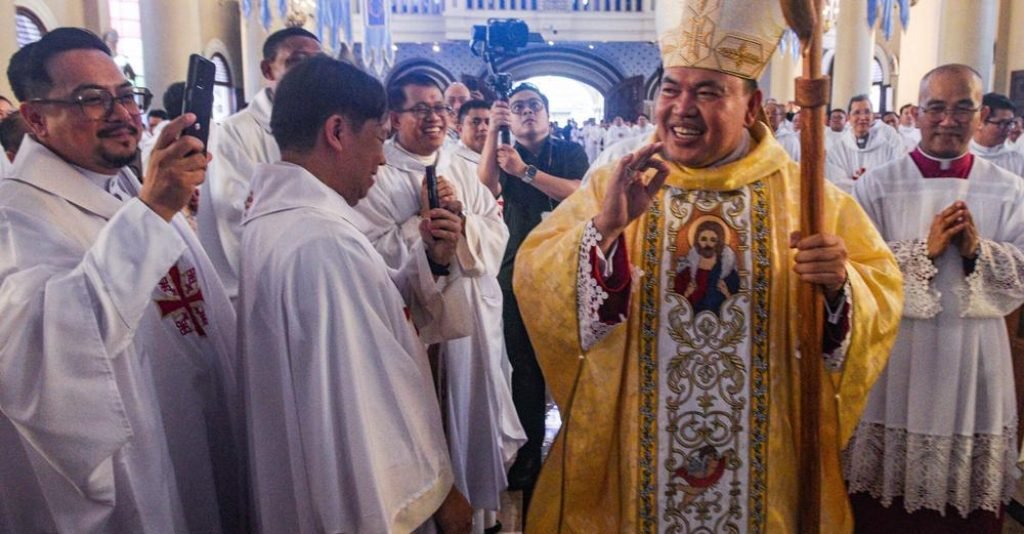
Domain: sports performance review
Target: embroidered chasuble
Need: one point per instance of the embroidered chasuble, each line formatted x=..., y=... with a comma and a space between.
x=684, y=418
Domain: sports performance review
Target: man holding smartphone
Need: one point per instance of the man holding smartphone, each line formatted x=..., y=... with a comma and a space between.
x=532, y=177
x=117, y=366
x=238, y=144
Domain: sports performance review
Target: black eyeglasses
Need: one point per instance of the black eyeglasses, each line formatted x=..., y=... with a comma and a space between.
x=423, y=111
x=532, y=104
x=1002, y=125
x=959, y=113
x=97, y=104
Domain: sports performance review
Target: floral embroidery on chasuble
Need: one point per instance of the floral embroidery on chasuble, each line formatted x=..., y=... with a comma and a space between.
x=704, y=362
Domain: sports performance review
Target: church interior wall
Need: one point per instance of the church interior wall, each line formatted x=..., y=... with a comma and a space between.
x=919, y=52
x=221, y=22
x=1010, y=44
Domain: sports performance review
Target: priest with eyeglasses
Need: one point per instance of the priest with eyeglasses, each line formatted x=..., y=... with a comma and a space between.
x=117, y=379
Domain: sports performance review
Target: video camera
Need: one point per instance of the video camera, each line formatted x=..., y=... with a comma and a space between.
x=501, y=38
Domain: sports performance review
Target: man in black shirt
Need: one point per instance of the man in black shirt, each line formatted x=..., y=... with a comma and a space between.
x=532, y=178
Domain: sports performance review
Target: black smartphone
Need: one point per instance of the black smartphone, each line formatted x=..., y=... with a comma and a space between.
x=199, y=96
x=432, y=197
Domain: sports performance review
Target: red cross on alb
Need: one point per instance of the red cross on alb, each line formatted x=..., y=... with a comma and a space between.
x=186, y=302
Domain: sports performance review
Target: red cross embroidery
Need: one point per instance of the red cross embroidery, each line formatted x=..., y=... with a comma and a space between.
x=187, y=298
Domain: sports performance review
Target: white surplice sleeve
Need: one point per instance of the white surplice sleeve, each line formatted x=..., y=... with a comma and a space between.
x=996, y=286
x=921, y=297
x=65, y=319
x=482, y=248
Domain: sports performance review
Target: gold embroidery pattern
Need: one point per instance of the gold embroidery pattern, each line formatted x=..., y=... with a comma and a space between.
x=706, y=386
x=739, y=55
x=761, y=268
x=692, y=40
x=648, y=498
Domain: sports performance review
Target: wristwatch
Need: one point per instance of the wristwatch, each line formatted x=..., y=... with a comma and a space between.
x=530, y=174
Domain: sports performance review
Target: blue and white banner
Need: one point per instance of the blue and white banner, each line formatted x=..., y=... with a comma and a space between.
x=377, y=52
x=887, y=8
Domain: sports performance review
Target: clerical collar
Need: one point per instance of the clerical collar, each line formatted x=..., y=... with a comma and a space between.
x=862, y=142
x=424, y=160
x=107, y=182
x=982, y=150
x=741, y=151
x=101, y=180
x=932, y=167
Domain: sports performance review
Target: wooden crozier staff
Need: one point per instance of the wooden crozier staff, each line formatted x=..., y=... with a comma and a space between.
x=812, y=95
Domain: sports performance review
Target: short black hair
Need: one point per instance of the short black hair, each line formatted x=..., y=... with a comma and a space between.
x=859, y=98
x=840, y=110
x=905, y=106
x=275, y=39
x=174, y=99
x=12, y=130
x=396, y=88
x=470, y=105
x=158, y=113
x=526, y=86
x=887, y=113
x=994, y=101
x=37, y=82
x=314, y=90
x=17, y=71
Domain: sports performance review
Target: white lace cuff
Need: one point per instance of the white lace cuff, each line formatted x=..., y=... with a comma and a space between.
x=834, y=360
x=920, y=298
x=590, y=295
x=996, y=286
x=930, y=472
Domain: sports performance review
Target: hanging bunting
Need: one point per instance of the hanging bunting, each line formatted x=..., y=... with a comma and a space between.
x=887, y=6
x=790, y=42
x=246, y=6
x=377, y=52
x=341, y=14
x=265, y=16
x=323, y=20
x=282, y=8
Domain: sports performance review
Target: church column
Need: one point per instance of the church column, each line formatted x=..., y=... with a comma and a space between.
x=784, y=71
x=968, y=31
x=170, y=33
x=1011, y=41
x=8, y=44
x=855, y=46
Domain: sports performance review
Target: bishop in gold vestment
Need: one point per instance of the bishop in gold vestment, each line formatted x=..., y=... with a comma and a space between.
x=663, y=309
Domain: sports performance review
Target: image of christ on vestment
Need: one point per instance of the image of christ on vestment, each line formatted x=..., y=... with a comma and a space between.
x=706, y=273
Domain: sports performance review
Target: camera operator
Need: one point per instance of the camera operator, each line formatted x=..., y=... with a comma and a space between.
x=532, y=177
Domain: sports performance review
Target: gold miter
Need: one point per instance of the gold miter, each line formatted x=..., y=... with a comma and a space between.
x=736, y=37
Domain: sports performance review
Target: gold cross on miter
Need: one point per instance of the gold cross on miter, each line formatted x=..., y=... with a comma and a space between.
x=696, y=41
x=741, y=55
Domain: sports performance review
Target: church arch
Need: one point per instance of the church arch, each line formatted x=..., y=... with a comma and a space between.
x=567, y=62
x=41, y=11
x=436, y=72
x=652, y=84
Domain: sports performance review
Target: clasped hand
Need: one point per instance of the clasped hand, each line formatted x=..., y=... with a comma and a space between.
x=441, y=227
x=953, y=225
